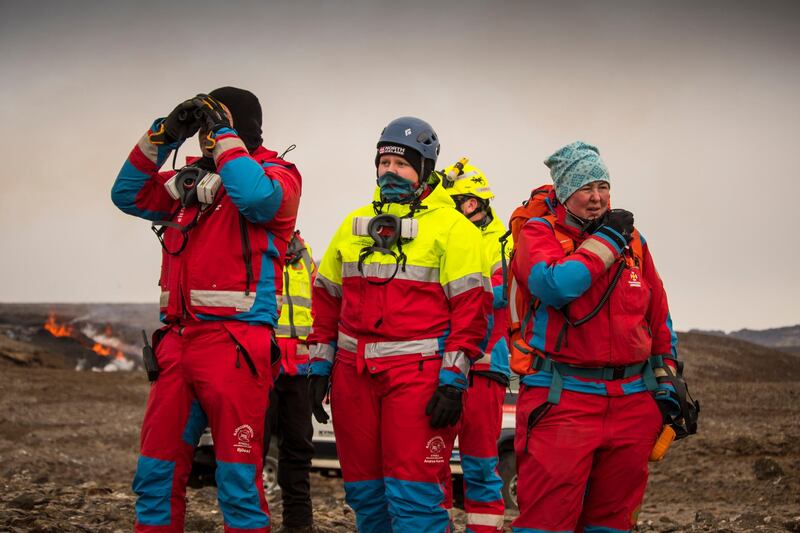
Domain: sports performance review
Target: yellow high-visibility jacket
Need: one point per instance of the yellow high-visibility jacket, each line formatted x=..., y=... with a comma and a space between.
x=436, y=305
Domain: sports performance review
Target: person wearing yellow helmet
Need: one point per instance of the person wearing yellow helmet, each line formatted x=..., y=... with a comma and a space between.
x=481, y=425
x=471, y=192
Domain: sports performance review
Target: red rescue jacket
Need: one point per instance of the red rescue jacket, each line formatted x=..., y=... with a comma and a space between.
x=231, y=267
x=633, y=325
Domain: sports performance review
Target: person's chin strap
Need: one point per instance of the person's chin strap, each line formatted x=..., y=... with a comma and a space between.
x=587, y=226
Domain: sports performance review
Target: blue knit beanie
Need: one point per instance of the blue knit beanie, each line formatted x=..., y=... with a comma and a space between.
x=573, y=166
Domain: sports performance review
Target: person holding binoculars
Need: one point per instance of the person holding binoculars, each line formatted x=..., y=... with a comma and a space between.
x=224, y=222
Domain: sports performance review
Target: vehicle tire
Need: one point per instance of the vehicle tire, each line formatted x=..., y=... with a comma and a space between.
x=269, y=474
x=508, y=472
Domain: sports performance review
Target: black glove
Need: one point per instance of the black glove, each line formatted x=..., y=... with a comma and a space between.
x=444, y=407
x=183, y=121
x=621, y=221
x=317, y=390
x=212, y=114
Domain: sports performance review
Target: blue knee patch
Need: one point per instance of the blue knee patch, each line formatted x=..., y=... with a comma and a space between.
x=368, y=500
x=415, y=505
x=481, y=479
x=238, y=496
x=153, y=486
x=603, y=529
x=195, y=424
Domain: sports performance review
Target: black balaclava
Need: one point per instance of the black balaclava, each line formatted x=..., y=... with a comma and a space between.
x=413, y=157
x=246, y=111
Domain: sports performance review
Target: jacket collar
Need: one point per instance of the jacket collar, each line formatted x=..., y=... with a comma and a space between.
x=437, y=198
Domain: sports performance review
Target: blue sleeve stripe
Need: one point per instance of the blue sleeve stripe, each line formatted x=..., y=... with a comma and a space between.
x=257, y=196
x=673, y=337
x=559, y=284
x=319, y=368
x=499, y=301
x=541, y=319
x=500, y=354
x=454, y=378
x=129, y=182
x=225, y=131
x=607, y=238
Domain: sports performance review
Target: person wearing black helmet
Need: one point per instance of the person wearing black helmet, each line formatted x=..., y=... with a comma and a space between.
x=400, y=308
x=224, y=222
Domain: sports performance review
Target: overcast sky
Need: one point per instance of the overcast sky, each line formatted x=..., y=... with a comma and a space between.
x=694, y=106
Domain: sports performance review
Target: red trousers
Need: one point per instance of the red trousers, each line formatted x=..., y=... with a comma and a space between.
x=477, y=444
x=584, y=463
x=216, y=374
x=392, y=460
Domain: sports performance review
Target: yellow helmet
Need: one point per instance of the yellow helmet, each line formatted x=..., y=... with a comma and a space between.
x=469, y=182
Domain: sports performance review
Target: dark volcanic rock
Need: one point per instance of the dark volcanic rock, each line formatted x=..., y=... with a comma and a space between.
x=766, y=468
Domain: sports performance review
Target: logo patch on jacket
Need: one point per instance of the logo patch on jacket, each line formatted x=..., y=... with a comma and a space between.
x=633, y=281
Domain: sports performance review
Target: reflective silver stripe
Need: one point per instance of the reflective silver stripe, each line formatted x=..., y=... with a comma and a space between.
x=286, y=331
x=384, y=271
x=599, y=249
x=495, y=267
x=149, y=150
x=487, y=284
x=334, y=289
x=236, y=299
x=512, y=300
x=390, y=348
x=321, y=351
x=456, y=359
x=306, y=261
x=228, y=143
x=301, y=301
x=479, y=519
x=302, y=349
x=465, y=283
x=346, y=342
x=163, y=300
x=374, y=350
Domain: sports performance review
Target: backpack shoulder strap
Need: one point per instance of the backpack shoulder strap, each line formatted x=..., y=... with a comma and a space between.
x=566, y=242
x=637, y=248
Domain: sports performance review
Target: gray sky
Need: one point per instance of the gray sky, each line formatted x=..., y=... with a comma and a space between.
x=694, y=107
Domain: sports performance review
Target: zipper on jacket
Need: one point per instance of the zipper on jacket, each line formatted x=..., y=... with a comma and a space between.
x=246, y=253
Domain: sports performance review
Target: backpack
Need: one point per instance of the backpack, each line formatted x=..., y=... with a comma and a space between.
x=522, y=306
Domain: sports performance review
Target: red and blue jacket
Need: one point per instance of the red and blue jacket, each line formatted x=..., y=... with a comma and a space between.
x=633, y=324
x=231, y=267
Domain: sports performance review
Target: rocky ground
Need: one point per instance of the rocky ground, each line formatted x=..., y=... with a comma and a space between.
x=68, y=445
